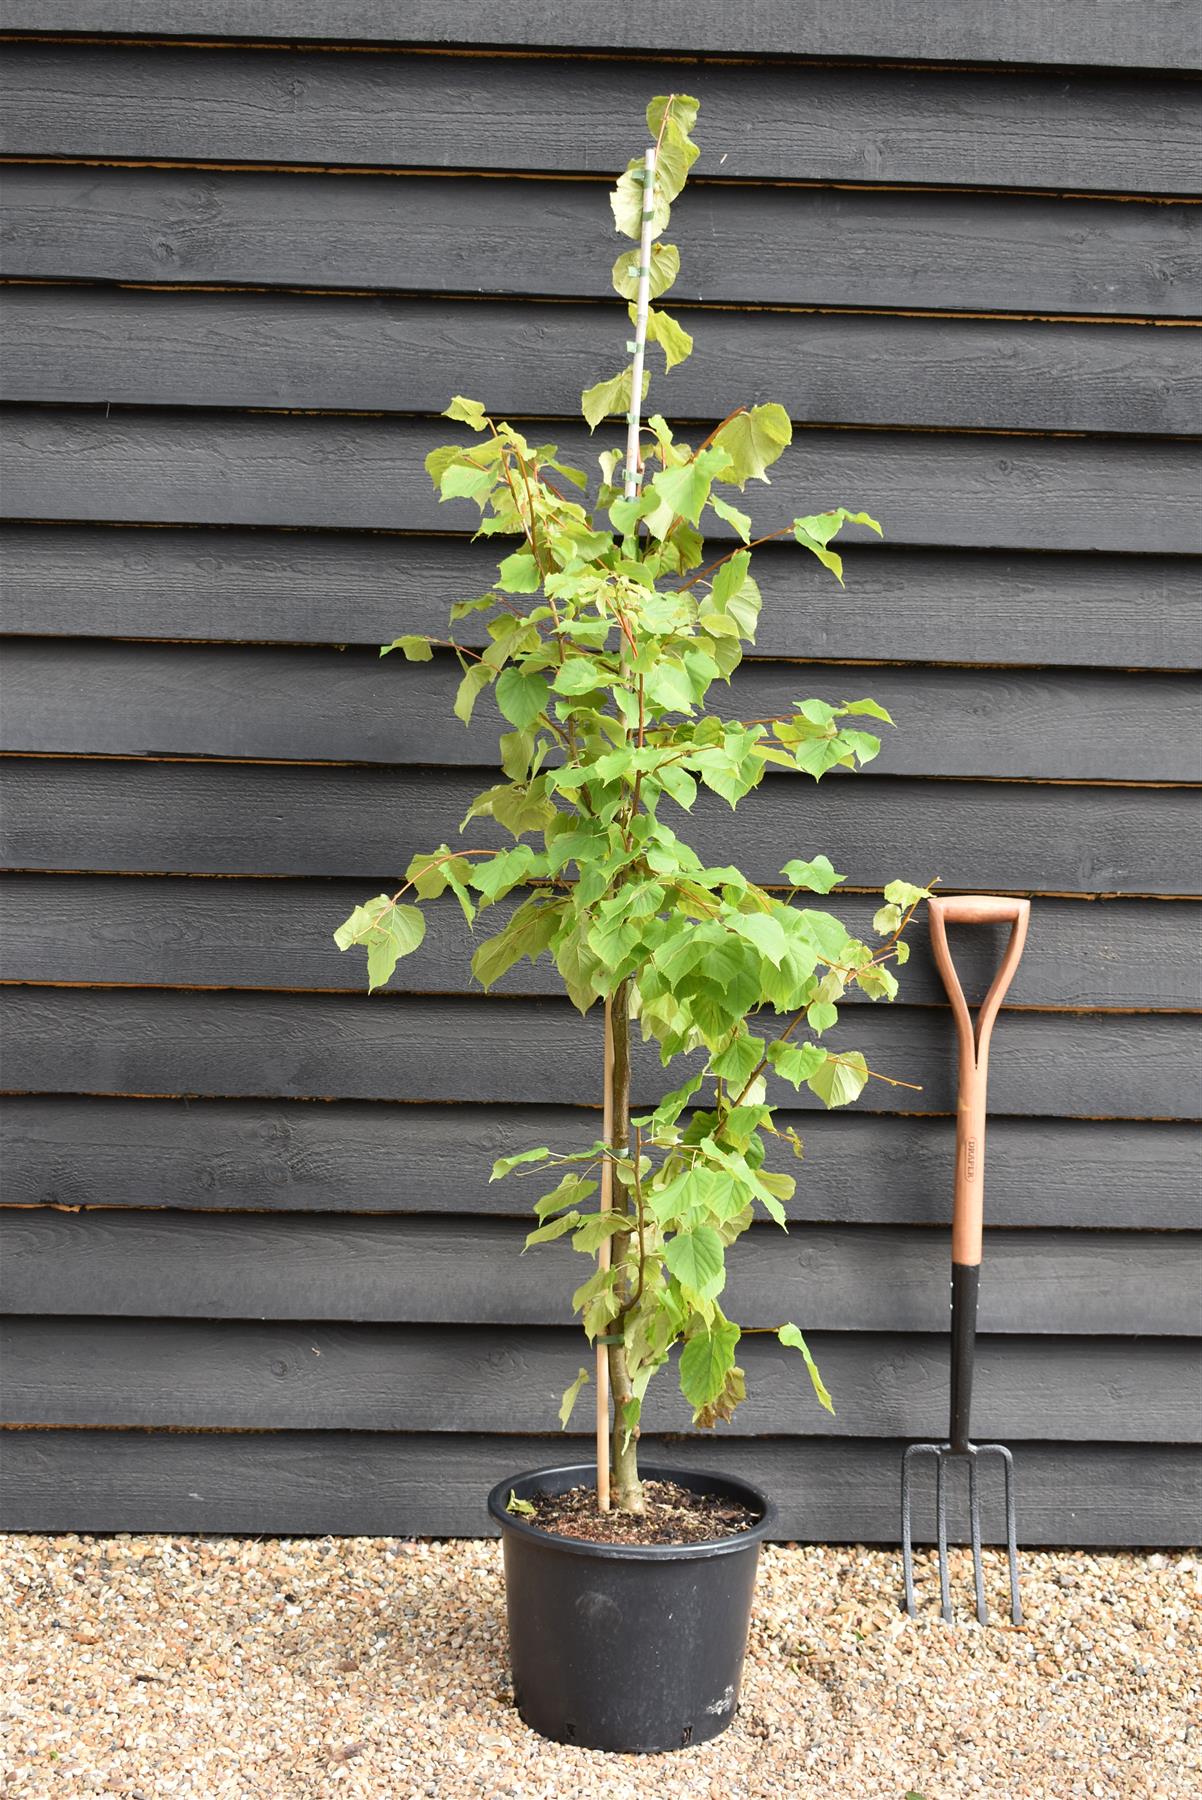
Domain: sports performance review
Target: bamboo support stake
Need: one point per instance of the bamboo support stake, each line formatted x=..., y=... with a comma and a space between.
x=630, y=486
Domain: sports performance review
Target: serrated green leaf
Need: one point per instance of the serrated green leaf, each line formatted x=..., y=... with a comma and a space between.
x=738, y=1059
x=697, y=1261
x=664, y=265
x=792, y=1339
x=414, y=649
x=595, y=1228
x=886, y=919
x=672, y=338
x=626, y=202
x=469, y=411
x=905, y=894
x=668, y=686
x=840, y=1080
x=705, y=1362
x=519, y=573
x=605, y=398
x=795, y=1062
x=684, y=112
x=765, y=932
x=817, y=876
x=821, y=1015
x=685, y=490
x=475, y=679
x=570, y=1396
x=386, y=931
x=753, y=441
x=528, y=933
x=869, y=707
x=741, y=521
x=554, y=1228
x=504, y=1164
x=521, y=696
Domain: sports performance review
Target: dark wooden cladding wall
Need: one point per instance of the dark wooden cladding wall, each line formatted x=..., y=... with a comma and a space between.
x=255, y=1276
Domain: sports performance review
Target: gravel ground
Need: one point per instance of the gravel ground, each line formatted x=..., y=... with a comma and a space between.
x=216, y=1667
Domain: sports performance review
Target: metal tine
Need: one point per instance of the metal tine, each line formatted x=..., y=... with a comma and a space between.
x=1016, y=1608
x=915, y=1450
x=941, y=1532
x=974, y=1521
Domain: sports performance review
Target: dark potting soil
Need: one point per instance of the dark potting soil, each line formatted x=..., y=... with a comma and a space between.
x=674, y=1515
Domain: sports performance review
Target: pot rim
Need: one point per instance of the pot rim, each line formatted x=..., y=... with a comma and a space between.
x=586, y=1472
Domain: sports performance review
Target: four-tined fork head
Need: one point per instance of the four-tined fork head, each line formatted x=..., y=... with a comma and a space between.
x=971, y=1454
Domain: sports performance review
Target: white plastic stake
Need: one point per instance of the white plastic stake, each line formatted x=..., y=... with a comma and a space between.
x=633, y=472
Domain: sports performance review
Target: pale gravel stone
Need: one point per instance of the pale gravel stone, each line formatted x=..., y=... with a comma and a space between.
x=228, y=1669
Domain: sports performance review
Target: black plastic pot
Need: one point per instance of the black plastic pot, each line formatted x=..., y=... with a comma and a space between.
x=623, y=1647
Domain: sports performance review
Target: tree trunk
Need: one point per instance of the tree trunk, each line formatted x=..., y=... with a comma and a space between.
x=624, y=1454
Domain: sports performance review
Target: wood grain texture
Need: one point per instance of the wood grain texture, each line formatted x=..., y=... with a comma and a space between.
x=970, y=490
x=96, y=346
x=525, y=1052
x=89, y=698
x=244, y=819
x=988, y=129
x=117, y=1263
x=278, y=934
x=371, y=1483
x=360, y=1157
x=354, y=587
x=758, y=246
x=1123, y=36
x=302, y=1376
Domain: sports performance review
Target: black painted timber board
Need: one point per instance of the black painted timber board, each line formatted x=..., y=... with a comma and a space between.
x=1074, y=32
x=358, y=473
x=92, y=346
x=304, y=1375
x=377, y=1484
x=118, y=1263
x=362, y=1157
x=396, y=1047
x=158, y=932
x=248, y=819
x=1101, y=132
x=909, y=605
x=89, y=698
x=761, y=246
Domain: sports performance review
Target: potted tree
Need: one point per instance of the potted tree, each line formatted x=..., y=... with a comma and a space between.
x=629, y=1589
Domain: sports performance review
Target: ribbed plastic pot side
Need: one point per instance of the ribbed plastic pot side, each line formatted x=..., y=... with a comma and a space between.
x=627, y=1647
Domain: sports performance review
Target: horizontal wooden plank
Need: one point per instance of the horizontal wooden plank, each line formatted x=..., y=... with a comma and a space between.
x=243, y=819
x=356, y=587
x=278, y=934
x=395, y=1047
x=767, y=246
x=118, y=1263
x=303, y=1376
x=1075, y=32
x=356, y=473
x=94, y=346
x=308, y=705
x=1101, y=133
x=361, y=1157
x=429, y=1484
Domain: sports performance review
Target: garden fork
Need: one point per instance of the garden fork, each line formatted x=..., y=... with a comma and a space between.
x=967, y=1223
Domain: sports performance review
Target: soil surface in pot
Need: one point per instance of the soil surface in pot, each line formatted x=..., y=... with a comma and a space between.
x=674, y=1515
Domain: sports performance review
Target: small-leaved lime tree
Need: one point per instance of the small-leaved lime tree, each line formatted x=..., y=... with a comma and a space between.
x=606, y=628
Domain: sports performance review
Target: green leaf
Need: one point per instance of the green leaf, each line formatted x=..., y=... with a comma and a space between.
x=595, y=1228
x=815, y=532
x=740, y=520
x=668, y=686
x=796, y=1062
x=792, y=1339
x=606, y=398
x=476, y=678
x=753, y=441
x=519, y=573
x=570, y=1396
x=686, y=489
x=469, y=411
x=684, y=112
x=528, y=933
x=414, y=649
x=386, y=931
x=817, y=877
x=675, y=342
x=665, y=267
x=696, y=1259
x=886, y=919
x=514, y=1505
x=706, y=1360
x=738, y=1060
x=580, y=675
x=504, y=1164
x=867, y=706
x=821, y=1015
x=464, y=481
x=554, y=1228
x=841, y=1078
x=521, y=696
x=765, y=932
x=905, y=894
x=626, y=202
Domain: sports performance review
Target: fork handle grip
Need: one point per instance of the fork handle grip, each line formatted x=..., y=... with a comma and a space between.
x=968, y=1206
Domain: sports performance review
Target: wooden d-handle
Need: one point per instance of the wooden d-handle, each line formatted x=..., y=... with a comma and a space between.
x=968, y=1208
